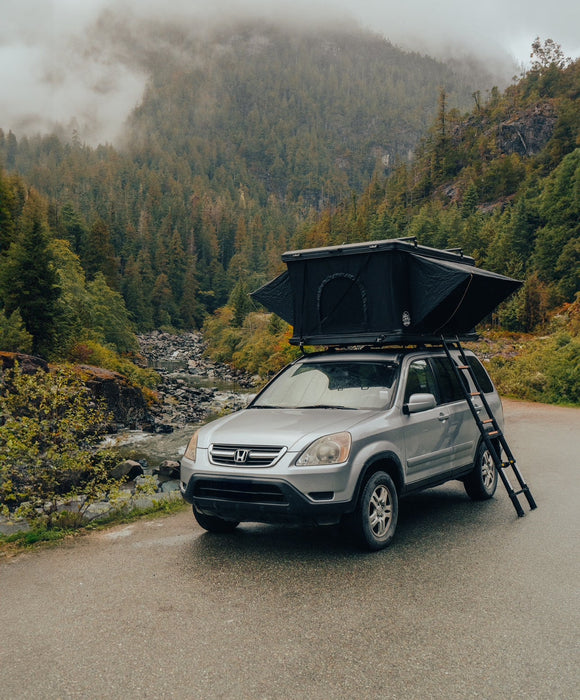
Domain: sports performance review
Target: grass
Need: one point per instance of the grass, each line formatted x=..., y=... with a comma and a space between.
x=42, y=536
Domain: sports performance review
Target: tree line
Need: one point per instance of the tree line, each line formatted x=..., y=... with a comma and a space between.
x=234, y=147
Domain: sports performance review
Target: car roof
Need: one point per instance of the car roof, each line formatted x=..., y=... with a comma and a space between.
x=393, y=354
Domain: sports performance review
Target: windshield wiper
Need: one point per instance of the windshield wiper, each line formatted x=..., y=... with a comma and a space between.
x=265, y=405
x=322, y=405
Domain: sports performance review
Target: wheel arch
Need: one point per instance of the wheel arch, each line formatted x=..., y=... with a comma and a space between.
x=382, y=462
x=496, y=445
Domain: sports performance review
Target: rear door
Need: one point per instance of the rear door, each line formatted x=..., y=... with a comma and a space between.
x=463, y=432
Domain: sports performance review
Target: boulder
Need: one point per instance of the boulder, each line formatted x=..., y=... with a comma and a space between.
x=124, y=400
x=129, y=468
x=29, y=364
x=169, y=469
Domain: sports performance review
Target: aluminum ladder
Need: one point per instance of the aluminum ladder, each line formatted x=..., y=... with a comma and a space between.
x=490, y=431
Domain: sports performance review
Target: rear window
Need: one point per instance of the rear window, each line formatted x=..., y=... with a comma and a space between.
x=480, y=374
x=450, y=388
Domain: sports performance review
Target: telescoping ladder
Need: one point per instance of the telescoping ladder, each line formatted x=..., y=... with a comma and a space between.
x=490, y=431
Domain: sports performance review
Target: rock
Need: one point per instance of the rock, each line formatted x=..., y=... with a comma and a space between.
x=123, y=399
x=29, y=364
x=168, y=486
x=144, y=502
x=129, y=468
x=11, y=527
x=529, y=131
x=169, y=469
x=98, y=510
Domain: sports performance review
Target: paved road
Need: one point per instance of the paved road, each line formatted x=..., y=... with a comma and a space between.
x=469, y=601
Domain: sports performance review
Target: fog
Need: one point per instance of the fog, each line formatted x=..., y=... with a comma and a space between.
x=83, y=63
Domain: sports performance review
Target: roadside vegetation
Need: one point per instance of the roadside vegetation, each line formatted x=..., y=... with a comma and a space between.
x=543, y=368
x=39, y=534
x=53, y=466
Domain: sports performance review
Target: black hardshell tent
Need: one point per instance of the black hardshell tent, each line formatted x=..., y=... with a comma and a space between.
x=383, y=292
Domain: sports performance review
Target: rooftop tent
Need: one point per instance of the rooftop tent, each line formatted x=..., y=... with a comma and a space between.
x=381, y=292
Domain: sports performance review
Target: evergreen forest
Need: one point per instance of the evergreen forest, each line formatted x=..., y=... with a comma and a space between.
x=256, y=140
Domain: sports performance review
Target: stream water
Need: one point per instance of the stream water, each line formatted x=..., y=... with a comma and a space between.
x=154, y=448
x=183, y=367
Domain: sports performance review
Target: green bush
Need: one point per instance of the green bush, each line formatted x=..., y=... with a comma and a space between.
x=50, y=430
x=89, y=352
x=547, y=370
x=260, y=346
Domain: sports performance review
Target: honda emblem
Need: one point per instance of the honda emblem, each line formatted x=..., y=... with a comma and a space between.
x=241, y=456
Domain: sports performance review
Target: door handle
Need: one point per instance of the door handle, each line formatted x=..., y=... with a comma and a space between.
x=443, y=417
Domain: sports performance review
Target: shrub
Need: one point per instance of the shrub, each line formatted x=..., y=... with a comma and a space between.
x=547, y=370
x=90, y=352
x=50, y=428
x=260, y=346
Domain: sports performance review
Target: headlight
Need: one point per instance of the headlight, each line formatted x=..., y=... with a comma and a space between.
x=192, y=448
x=330, y=449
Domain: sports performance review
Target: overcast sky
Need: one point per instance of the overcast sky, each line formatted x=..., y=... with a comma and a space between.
x=48, y=76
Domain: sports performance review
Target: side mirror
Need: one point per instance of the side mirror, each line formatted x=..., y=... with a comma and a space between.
x=419, y=402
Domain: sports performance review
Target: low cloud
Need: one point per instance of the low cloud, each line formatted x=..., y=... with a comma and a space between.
x=84, y=65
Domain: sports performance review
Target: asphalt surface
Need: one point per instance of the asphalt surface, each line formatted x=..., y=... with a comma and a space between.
x=468, y=602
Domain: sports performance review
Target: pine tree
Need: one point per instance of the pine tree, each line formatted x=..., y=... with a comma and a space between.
x=99, y=254
x=28, y=279
x=6, y=213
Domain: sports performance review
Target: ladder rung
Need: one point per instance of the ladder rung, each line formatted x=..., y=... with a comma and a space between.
x=493, y=433
x=463, y=367
x=487, y=420
x=475, y=393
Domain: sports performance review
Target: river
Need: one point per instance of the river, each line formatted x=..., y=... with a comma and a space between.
x=193, y=391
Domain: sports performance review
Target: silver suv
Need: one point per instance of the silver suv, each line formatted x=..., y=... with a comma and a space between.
x=340, y=436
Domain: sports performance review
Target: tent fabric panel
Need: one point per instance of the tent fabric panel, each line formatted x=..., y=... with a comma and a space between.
x=431, y=286
x=472, y=294
x=348, y=293
x=277, y=296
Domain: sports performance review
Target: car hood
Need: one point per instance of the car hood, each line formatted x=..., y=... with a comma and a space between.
x=294, y=428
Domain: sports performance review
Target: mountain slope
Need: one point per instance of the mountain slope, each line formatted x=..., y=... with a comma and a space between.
x=242, y=135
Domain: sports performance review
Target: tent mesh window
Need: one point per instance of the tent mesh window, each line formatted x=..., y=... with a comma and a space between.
x=342, y=300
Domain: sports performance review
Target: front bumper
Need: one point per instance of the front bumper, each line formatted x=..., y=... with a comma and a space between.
x=248, y=499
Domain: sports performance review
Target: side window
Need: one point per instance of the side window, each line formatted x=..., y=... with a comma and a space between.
x=420, y=379
x=480, y=374
x=450, y=388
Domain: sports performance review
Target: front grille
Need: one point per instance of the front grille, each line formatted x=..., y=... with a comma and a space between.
x=239, y=491
x=245, y=456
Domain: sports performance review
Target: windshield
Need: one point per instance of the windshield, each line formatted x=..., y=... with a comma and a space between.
x=334, y=384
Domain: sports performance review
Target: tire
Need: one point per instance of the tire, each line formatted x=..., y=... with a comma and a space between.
x=212, y=523
x=481, y=483
x=374, y=521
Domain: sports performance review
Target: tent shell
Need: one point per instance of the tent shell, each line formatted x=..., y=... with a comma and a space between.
x=381, y=293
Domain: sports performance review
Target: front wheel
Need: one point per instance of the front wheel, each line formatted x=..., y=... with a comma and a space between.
x=375, y=519
x=481, y=483
x=212, y=523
